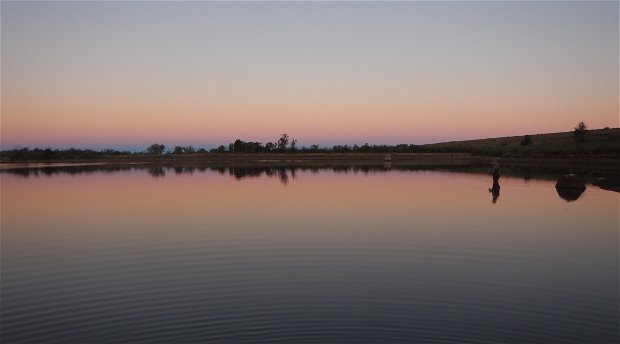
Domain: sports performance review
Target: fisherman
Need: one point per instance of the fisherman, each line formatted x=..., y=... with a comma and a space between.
x=494, y=190
x=495, y=172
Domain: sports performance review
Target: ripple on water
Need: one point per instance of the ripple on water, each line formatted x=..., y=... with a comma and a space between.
x=399, y=282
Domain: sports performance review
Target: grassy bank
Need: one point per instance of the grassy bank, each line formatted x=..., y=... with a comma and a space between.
x=599, y=142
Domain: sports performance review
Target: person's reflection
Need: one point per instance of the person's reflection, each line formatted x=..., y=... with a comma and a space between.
x=494, y=190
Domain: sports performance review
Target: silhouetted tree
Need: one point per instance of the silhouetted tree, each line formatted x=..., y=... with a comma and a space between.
x=238, y=146
x=253, y=147
x=293, y=145
x=48, y=154
x=155, y=149
x=177, y=150
x=221, y=149
x=580, y=132
x=283, y=142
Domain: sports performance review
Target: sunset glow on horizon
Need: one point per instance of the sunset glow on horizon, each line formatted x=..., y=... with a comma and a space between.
x=129, y=74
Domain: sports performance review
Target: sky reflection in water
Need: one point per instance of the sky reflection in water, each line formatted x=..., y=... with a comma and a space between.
x=327, y=256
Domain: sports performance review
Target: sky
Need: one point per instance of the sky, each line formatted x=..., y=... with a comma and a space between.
x=128, y=74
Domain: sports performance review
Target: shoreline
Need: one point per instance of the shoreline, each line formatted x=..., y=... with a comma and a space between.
x=601, y=172
x=607, y=163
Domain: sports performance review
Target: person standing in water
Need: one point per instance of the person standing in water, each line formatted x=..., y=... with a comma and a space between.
x=494, y=190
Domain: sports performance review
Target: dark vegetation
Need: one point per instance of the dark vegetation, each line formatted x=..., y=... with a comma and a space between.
x=579, y=142
x=527, y=140
x=580, y=132
x=287, y=171
x=38, y=154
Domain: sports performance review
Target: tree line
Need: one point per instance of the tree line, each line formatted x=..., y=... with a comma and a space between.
x=283, y=145
x=22, y=154
x=286, y=144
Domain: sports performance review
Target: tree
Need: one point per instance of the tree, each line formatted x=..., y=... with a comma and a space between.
x=580, y=132
x=221, y=149
x=48, y=153
x=283, y=142
x=527, y=140
x=293, y=145
x=177, y=150
x=238, y=146
x=269, y=146
x=156, y=149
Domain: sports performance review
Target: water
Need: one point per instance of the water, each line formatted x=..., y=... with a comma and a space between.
x=323, y=255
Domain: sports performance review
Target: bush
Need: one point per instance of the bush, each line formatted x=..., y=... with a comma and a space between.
x=527, y=140
x=580, y=132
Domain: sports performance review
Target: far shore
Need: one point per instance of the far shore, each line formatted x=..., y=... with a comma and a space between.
x=606, y=163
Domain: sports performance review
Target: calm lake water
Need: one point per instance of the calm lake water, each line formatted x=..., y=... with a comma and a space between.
x=164, y=255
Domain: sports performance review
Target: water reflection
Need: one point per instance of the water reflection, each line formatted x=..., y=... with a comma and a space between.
x=494, y=190
x=75, y=170
x=570, y=187
x=156, y=171
x=285, y=173
x=281, y=173
x=359, y=254
x=570, y=195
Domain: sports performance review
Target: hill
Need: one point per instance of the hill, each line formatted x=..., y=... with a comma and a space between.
x=596, y=142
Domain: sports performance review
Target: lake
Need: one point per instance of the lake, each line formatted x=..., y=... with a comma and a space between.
x=312, y=255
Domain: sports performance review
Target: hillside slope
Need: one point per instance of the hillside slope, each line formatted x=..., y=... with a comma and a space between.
x=597, y=141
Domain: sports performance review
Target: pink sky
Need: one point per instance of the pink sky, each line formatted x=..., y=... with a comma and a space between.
x=126, y=75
